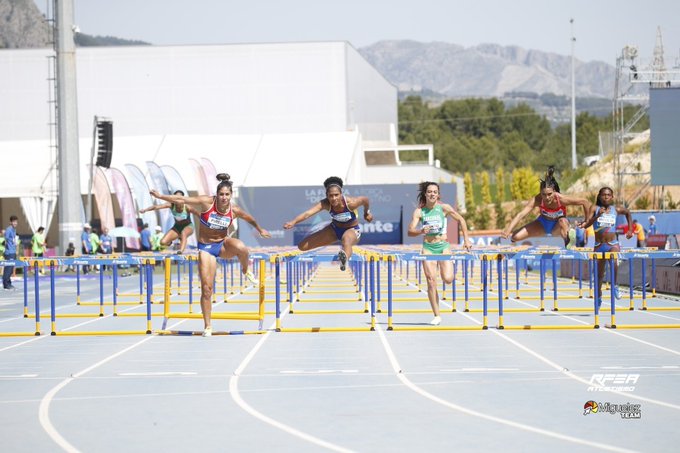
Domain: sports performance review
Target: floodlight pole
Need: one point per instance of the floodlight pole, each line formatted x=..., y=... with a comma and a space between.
x=573, y=100
x=70, y=202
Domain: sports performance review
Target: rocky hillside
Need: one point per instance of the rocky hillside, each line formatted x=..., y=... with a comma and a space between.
x=22, y=25
x=485, y=70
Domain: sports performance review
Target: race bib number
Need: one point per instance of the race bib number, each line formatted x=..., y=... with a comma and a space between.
x=343, y=217
x=218, y=222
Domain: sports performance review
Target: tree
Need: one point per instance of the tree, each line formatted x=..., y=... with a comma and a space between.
x=486, y=189
x=469, y=193
x=500, y=185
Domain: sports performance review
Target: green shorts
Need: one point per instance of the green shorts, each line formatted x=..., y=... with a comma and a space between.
x=436, y=248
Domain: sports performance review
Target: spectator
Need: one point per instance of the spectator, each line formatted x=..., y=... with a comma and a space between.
x=146, y=238
x=156, y=239
x=95, y=242
x=651, y=229
x=106, y=241
x=86, y=246
x=639, y=233
x=38, y=245
x=10, y=252
x=70, y=251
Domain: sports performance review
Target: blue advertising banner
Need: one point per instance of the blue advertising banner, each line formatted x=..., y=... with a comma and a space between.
x=392, y=206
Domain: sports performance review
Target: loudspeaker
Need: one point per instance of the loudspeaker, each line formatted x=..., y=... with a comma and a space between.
x=104, y=143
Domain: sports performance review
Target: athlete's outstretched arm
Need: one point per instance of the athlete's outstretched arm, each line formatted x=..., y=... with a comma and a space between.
x=305, y=215
x=448, y=210
x=355, y=202
x=241, y=214
x=528, y=206
x=413, y=226
x=156, y=207
x=626, y=212
x=575, y=201
x=201, y=202
x=591, y=217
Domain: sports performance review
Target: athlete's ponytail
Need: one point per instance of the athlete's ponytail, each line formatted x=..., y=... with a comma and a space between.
x=550, y=181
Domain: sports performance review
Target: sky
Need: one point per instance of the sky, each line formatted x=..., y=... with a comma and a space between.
x=601, y=27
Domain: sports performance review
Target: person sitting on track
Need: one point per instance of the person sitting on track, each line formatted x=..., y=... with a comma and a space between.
x=602, y=216
x=553, y=212
x=183, y=228
x=216, y=215
x=432, y=214
x=344, y=226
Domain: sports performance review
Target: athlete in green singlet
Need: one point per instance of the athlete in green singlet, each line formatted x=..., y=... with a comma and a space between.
x=432, y=215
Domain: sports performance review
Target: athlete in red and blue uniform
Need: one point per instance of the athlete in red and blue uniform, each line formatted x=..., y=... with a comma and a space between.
x=217, y=215
x=552, y=219
x=344, y=226
x=602, y=216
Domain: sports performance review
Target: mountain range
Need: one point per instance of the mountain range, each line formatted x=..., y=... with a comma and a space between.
x=487, y=70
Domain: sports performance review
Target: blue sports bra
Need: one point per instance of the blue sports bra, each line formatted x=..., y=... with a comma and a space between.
x=606, y=222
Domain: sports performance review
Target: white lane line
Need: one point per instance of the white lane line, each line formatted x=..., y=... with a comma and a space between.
x=15, y=376
x=43, y=410
x=565, y=371
x=400, y=375
x=317, y=371
x=161, y=373
x=42, y=337
x=236, y=396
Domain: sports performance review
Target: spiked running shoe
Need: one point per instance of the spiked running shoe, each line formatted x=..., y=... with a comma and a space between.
x=250, y=277
x=342, y=256
x=207, y=332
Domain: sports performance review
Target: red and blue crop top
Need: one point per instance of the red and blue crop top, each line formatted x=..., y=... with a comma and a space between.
x=216, y=220
x=553, y=213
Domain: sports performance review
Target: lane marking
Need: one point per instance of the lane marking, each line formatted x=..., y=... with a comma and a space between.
x=236, y=396
x=407, y=382
x=14, y=376
x=317, y=371
x=161, y=373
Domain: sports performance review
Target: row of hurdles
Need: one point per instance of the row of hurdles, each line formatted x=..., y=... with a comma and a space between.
x=375, y=275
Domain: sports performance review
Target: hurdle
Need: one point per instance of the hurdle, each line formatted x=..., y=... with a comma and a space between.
x=147, y=266
x=111, y=260
x=23, y=264
x=642, y=255
x=417, y=258
x=259, y=269
x=304, y=268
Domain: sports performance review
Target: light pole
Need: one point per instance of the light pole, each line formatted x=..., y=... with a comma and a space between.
x=573, y=99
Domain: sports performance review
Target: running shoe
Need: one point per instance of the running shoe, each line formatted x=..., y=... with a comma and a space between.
x=342, y=256
x=207, y=332
x=617, y=293
x=436, y=321
x=250, y=277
